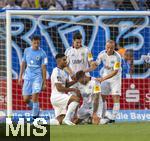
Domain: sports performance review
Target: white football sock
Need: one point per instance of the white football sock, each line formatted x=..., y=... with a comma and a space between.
x=104, y=121
x=116, y=109
x=71, y=109
x=102, y=108
x=54, y=122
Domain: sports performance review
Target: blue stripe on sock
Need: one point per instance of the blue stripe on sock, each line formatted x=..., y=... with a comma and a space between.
x=30, y=104
x=36, y=109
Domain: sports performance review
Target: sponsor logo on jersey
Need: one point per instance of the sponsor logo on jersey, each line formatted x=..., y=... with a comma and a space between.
x=112, y=62
x=59, y=78
x=90, y=87
x=72, y=55
x=82, y=54
x=77, y=61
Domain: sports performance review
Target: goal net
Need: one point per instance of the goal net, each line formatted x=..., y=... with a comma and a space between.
x=130, y=32
x=2, y=63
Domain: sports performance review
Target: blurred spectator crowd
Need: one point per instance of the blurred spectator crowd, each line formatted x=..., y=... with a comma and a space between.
x=76, y=4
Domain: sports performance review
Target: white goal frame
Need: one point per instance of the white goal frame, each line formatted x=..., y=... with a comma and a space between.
x=9, y=13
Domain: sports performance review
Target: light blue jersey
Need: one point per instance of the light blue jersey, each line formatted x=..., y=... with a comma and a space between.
x=34, y=60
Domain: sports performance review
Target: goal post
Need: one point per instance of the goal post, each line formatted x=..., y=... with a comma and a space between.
x=9, y=63
x=95, y=14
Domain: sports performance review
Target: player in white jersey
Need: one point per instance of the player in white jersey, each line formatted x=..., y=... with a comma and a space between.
x=91, y=93
x=111, y=75
x=79, y=57
x=59, y=97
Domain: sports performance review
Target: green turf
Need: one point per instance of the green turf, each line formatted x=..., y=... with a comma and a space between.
x=110, y=132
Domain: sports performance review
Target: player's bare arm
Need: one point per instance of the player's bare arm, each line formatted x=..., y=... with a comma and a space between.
x=22, y=69
x=93, y=66
x=63, y=89
x=113, y=73
x=44, y=76
x=95, y=118
x=96, y=103
x=70, y=83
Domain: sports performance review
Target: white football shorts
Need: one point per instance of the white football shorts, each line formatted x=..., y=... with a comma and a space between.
x=113, y=87
x=59, y=103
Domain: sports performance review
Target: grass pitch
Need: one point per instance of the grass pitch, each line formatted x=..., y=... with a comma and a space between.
x=110, y=132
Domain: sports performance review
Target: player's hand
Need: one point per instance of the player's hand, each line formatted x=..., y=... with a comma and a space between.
x=95, y=119
x=20, y=81
x=44, y=86
x=73, y=77
x=75, y=120
x=93, y=64
x=77, y=92
x=99, y=79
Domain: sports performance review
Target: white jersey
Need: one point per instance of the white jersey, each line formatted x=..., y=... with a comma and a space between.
x=58, y=76
x=78, y=59
x=88, y=91
x=110, y=63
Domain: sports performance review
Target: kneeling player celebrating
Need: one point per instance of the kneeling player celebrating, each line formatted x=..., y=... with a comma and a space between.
x=63, y=103
x=90, y=92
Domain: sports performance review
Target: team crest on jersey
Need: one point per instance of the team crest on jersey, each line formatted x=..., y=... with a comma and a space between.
x=37, y=58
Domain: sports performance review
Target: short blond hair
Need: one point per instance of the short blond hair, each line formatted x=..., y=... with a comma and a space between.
x=111, y=41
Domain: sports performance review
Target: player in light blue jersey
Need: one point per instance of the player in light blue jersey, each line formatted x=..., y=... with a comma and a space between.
x=34, y=69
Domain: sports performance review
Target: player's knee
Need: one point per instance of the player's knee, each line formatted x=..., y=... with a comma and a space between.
x=104, y=98
x=26, y=100
x=35, y=97
x=75, y=98
x=116, y=99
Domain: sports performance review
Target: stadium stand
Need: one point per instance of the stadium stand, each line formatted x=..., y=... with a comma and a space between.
x=81, y=4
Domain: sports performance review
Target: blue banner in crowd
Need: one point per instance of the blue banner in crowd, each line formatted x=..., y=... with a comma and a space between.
x=123, y=116
x=133, y=115
x=130, y=32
